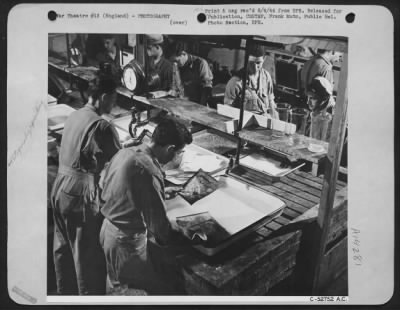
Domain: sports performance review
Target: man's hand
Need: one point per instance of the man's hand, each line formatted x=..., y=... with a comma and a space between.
x=173, y=93
x=273, y=111
x=172, y=191
x=128, y=143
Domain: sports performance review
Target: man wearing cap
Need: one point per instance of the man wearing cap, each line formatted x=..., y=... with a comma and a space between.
x=321, y=64
x=195, y=74
x=259, y=95
x=320, y=101
x=159, y=76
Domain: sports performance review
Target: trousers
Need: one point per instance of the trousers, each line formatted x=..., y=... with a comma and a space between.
x=128, y=261
x=78, y=257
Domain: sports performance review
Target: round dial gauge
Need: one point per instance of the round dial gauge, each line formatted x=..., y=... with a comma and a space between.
x=129, y=78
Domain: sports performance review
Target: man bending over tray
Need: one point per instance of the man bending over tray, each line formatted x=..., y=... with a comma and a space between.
x=133, y=204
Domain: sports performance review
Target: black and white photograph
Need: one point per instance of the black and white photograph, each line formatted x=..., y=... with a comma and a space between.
x=200, y=154
x=167, y=176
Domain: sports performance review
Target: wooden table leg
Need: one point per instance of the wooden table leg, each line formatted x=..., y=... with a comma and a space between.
x=314, y=169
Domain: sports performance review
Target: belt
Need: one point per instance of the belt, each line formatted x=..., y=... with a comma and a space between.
x=130, y=232
x=76, y=173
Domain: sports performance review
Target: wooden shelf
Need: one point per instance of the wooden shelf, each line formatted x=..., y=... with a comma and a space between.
x=84, y=73
x=184, y=109
x=266, y=138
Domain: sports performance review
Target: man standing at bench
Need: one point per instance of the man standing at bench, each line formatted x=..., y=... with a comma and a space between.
x=259, y=96
x=195, y=74
x=159, y=76
x=88, y=142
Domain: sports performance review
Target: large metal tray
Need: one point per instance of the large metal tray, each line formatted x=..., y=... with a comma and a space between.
x=237, y=207
x=267, y=167
x=215, y=141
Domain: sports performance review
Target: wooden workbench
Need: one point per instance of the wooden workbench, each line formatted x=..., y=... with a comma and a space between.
x=83, y=73
x=183, y=109
x=268, y=256
x=208, y=117
x=267, y=138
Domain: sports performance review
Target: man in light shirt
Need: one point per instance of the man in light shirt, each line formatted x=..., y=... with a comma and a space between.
x=259, y=93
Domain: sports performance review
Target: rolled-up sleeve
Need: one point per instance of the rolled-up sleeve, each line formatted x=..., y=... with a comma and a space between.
x=206, y=75
x=232, y=92
x=270, y=90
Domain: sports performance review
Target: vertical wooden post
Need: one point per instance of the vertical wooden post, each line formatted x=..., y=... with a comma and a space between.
x=68, y=60
x=243, y=94
x=146, y=60
x=331, y=174
x=140, y=49
x=68, y=50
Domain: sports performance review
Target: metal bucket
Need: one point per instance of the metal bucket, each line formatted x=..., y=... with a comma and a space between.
x=299, y=117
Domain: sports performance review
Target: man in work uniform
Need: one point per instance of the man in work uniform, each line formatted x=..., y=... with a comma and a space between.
x=259, y=95
x=321, y=64
x=195, y=74
x=133, y=205
x=160, y=69
x=88, y=142
x=111, y=55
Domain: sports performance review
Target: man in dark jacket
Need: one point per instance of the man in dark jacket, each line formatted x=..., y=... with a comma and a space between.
x=159, y=76
x=88, y=142
x=195, y=74
x=111, y=55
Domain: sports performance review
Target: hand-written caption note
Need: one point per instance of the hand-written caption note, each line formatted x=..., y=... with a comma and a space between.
x=355, y=235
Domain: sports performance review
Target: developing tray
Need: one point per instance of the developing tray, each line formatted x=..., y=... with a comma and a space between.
x=237, y=207
x=215, y=141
